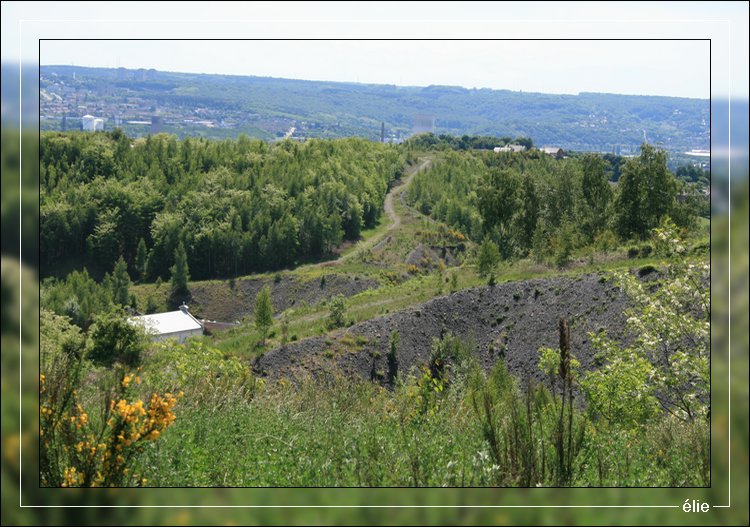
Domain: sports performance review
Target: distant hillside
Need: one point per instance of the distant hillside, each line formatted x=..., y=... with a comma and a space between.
x=224, y=105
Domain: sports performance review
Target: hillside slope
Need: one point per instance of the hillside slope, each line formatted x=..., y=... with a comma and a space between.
x=273, y=108
x=509, y=321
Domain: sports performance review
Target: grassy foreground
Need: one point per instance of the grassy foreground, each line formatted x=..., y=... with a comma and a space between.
x=431, y=431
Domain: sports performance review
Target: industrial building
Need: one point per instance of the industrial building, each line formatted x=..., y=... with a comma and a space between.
x=178, y=324
x=89, y=123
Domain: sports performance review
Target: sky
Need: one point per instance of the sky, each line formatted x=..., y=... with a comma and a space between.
x=632, y=67
x=655, y=65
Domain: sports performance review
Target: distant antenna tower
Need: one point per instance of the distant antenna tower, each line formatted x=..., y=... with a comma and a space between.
x=382, y=132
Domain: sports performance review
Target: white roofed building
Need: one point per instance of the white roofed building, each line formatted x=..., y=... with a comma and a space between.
x=509, y=148
x=87, y=123
x=178, y=324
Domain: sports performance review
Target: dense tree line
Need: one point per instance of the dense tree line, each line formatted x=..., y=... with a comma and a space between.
x=238, y=206
x=694, y=174
x=529, y=203
x=428, y=141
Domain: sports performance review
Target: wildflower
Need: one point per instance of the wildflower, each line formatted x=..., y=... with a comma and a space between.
x=126, y=380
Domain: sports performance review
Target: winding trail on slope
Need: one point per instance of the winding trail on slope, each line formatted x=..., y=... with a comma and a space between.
x=389, y=209
x=388, y=204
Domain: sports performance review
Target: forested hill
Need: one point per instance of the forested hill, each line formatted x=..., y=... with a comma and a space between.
x=224, y=106
x=237, y=206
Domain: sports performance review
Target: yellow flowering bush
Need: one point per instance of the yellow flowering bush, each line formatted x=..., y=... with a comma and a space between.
x=83, y=449
x=103, y=454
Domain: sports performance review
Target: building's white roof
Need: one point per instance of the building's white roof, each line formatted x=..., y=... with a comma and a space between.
x=510, y=148
x=165, y=323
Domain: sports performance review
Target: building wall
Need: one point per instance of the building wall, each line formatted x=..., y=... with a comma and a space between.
x=180, y=336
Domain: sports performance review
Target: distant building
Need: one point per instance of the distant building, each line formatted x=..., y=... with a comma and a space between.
x=89, y=123
x=554, y=151
x=178, y=324
x=423, y=124
x=509, y=148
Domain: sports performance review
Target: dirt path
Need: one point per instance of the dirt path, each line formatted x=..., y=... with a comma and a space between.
x=389, y=209
x=388, y=204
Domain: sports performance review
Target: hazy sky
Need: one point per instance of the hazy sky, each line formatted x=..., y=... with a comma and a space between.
x=648, y=67
x=632, y=67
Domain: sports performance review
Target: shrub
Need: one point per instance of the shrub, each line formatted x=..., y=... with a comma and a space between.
x=201, y=371
x=605, y=241
x=284, y=331
x=337, y=312
x=115, y=339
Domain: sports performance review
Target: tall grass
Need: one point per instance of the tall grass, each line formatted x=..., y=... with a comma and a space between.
x=446, y=424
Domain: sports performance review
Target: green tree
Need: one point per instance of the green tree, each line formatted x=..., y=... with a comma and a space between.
x=564, y=244
x=120, y=283
x=539, y=243
x=687, y=209
x=669, y=349
x=105, y=242
x=498, y=202
x=454, y=281
x=263, y=311
x=78, y=297
x=528, y=214
x=647, y=192
x=141, y=258
x=489, y=257
x=180, y=275
x=596, y=193
x=525, y=141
